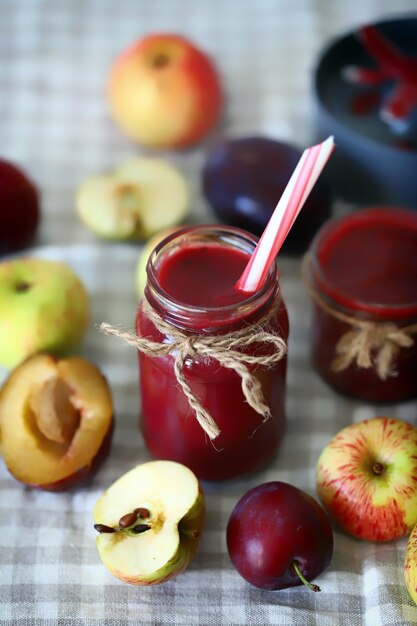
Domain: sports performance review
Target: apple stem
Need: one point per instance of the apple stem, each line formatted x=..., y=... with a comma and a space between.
x=378, y=468
x=22, y=286
x=304, y=580
x=194, y=534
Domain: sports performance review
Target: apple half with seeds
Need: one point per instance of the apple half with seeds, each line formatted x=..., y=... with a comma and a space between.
x=150, y=521
x=139, y=198
x=56, y=421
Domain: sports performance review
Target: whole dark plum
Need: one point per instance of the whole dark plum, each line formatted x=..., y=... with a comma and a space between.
x=19, y=209
x=243, y=180
x=276, y=529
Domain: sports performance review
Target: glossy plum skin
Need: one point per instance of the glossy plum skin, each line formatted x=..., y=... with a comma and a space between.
x=243, y=180
x=19, y=209
x=273, y=525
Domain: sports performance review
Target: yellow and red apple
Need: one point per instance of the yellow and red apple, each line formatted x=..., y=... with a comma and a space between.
x=367, y=478
x=44, y=306
x=141, y=197
x=150, y=522
x=410, y=565
x=56, y=421
x=165, y=92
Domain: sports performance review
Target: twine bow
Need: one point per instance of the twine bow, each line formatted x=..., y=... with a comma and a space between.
x=227, y=349
x=371, y=345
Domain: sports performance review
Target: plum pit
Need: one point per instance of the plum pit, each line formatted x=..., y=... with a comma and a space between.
x=55, y=415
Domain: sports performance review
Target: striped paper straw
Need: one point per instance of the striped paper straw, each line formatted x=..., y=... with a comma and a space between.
x=299, y=187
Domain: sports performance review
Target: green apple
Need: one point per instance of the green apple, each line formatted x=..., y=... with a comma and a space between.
x=410, y=565
x=140, y=273
x=367, y=478
x=141, y=197
x=44, y=307
x=150, y=521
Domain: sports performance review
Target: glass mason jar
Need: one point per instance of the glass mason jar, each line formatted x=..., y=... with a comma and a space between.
x=169, y=426
x=361, y=272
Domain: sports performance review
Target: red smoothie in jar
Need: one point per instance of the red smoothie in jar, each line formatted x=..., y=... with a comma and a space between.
x=191, y=278
x=363, y=267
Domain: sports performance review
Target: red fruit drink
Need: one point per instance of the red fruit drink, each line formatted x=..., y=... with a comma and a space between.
x=191, y=278
x=363, y=267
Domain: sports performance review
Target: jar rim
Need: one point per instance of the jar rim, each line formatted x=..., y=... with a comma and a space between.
x=230, y=235
x=329, y=234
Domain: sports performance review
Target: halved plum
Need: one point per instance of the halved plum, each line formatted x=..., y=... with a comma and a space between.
x=56, y=421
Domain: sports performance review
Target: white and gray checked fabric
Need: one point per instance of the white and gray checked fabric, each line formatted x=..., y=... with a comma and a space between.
x=54, y=122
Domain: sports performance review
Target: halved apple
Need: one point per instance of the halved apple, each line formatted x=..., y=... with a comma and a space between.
x=56, y=421
x=150, y=522
x=141, y=197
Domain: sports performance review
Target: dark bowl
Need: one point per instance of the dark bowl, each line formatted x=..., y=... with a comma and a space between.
x=373, y=161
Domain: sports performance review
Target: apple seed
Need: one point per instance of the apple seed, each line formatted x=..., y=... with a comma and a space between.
x=56, y=416
x=102, y=528
x=128, y=520
x=142, y=512
x=140, y=528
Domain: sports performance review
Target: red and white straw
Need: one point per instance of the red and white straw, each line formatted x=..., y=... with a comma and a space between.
x=298, y=189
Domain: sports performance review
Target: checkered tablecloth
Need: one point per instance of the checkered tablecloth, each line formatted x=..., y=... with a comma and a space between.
x=54, y=122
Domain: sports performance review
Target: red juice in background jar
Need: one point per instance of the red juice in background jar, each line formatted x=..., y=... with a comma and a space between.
x=364, y=267
x=191, y=278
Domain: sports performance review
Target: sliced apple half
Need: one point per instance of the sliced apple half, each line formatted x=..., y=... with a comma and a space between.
x=56, y=421
x=150, y=522
x=141, y=197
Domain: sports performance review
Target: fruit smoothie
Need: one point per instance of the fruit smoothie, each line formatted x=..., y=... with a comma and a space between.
x=191, y=278
x=365, y=266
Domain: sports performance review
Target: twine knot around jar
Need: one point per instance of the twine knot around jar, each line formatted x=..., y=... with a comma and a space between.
x=383, y=341
x=228, y=349
x=368, y=343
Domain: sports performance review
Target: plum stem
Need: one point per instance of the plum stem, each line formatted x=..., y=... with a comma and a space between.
x=304, y=580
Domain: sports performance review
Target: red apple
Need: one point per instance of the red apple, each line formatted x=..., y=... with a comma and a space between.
x=367, y=478
x=19, y=209
x=56, y=421
x=164, y=92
